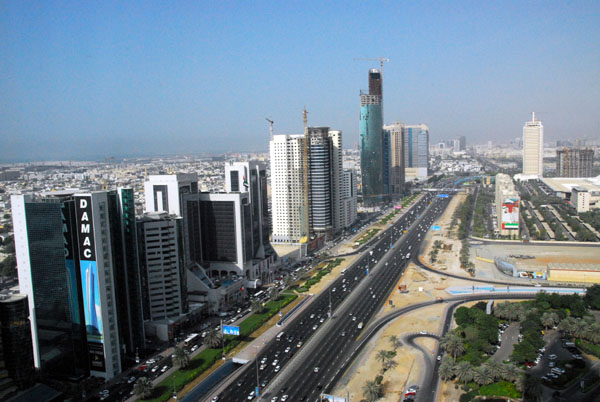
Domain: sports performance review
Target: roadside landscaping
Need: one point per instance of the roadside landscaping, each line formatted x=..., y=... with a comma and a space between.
x=210, y=356
x=323, y=269
x=366, y=237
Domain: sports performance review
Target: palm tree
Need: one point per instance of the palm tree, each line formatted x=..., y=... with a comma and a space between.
x=143, y=388
x=463, y=372
x=511, y=373
x=255, y=306
x=579, y=328
x=390, y=364
x=213, y=338
x=549, y=319
x=446, y=369
x=180, y=358
x=567, y=325
x=453, y=344
x=495, y=369
x=532, y=389
x=396, y=342
x=371, y=391
x=482, y=375
x=592, y=332
x=384, y=357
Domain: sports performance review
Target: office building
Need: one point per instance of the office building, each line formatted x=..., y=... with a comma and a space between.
x=46, y=249
x=574, y=162
x=533, y=148
x=251, y=177
x=161, y=265
x=372, y=141
x=305, y=185
x=8, y=387
x=15, y=336
x=163, y=193
x=580, y=199
x=416, y=151
x=396, y=158
x=462, y=143
x=349, y=198
x=507, y=206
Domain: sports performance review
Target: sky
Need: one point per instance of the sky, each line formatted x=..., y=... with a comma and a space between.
x=89, y=79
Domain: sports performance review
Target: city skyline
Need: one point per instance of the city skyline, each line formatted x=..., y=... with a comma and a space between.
x=87, y=82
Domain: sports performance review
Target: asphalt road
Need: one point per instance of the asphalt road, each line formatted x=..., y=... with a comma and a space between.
x=372, y=277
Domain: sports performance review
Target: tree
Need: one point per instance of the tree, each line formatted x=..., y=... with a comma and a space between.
x=371, y=391
x=8, y=266
x=482, y=375
x=447, y=369
x=567, y=325
x=510, y=372
x=549, y=319
x=463, y=372
x=532, y=389
x=143, y=388
x=579, y=328
x=385, y=356
x=592, y=296
x=255, y=306
x=453, y=344
x=180, y=358
x=592, y=332
x=495, y=369
x=396, y=342
x=390, y=364
x=213, y=338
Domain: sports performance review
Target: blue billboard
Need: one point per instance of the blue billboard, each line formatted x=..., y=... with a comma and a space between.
x=231, y=330
x=435, y=227
x=442, y=195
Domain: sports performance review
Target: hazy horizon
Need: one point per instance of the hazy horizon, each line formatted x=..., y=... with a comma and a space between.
x=87, y=81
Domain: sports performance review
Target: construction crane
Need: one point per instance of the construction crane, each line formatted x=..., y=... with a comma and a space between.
x=380, y=60
x=271, y=122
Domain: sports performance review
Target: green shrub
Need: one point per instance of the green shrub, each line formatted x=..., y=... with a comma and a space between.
x=501, y=388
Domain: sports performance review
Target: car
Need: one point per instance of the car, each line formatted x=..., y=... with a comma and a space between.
x=552, y=357
x=165, y=368
x=285, y=398
x=316, y=370
x=354, y=318
x=321, y=320
x=287, y=350
x=263, y=366
x=439, y=358
x=277, y=369
x=154, y=369
x=275, y=398
x=239, y=383
x=275, y=362
x=413, y=388
x=423, y=332
x=264, y=360
x=130, y=380
x=312, y=316
x=215, y=399
x=551, y=364
x=343, y=333
x=299, y=344
x=251, y=395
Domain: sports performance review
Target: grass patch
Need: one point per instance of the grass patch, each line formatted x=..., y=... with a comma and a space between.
x=501, y=388
x=589, y=348
x=321, y=272
x=207, y=358
x=366, y=237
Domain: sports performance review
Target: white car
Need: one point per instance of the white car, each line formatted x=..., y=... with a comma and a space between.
x=316, y=370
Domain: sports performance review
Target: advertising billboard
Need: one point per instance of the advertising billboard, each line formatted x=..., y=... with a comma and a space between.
x=510, y=213
x=72, y=283
x=90, y=282
x=231, y=330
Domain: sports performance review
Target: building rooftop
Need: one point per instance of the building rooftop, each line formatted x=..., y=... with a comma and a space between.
x=573, y=267
x=566, y=184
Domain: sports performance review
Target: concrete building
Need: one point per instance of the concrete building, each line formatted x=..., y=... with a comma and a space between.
x=533, y=148
x=396, y=159
x=574, y=162
x=349, y=198
x=161, y=265
x=587, y=195
x=163, y=193
x=15, y=340
x=580, y=199
x=416, y=151
x=581, y=273
x=507, y=206
x=372, y=141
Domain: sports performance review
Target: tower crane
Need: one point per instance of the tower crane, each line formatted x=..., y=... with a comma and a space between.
x=271, y=122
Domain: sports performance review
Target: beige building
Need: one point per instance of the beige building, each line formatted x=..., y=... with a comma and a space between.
x=396, y=132
x=580, y=199
x=533, y=148
x=507, y=206
x=582, y=193
x=582, y=273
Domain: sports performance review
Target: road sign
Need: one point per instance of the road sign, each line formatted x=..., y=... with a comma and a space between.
x=367, y=271
x=231, y=330
x=435, y=227
x=256, y=390
x=442, y=195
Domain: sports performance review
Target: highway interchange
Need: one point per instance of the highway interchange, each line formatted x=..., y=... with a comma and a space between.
x=355, y=297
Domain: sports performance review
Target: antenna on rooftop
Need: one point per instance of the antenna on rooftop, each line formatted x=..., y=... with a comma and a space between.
x=271, y=122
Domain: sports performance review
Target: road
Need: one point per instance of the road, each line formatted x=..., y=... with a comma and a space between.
x=370, y=278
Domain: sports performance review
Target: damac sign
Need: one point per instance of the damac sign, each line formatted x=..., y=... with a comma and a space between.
x=85, y=229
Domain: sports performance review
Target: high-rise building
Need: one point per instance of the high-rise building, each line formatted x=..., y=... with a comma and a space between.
x=82, y=265
x=305, y=185
x=416, y=150
x=161, y=265
x=251, y=177
x=533, y=148
x=463, y=143
x=372, y=141
x=396, y=158
x=15, y=340
x=507, y=206
x=164, y=192
x=349, y=198
x=574, y=162
x=47, y=265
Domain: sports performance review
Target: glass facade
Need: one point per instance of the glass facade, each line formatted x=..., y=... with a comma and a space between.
x=218, y=230
x=15, y=332
x=371, y=149
x=319, y=177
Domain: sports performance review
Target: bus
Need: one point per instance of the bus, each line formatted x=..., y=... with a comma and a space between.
x=258, y=294
x=280, y=336
x=190, y=339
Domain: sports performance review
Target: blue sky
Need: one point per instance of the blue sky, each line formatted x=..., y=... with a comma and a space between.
x=93, y=79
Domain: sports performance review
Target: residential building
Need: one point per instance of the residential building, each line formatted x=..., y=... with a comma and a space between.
x=574, y=162
x=507, y=206
x=533, y=148
x=349, y=198
x=164, y=192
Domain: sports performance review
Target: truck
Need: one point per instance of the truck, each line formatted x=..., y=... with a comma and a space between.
x=360, y=325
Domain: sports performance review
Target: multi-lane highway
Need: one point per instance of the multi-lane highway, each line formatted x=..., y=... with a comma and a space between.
x=354, y=298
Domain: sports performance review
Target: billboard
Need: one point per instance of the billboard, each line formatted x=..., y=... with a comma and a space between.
x=231, y=330
x=90, y=282
x=332, y=398
x=72, y=282
x=510, y=213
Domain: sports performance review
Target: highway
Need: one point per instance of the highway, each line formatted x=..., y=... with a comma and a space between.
x=355, y=296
